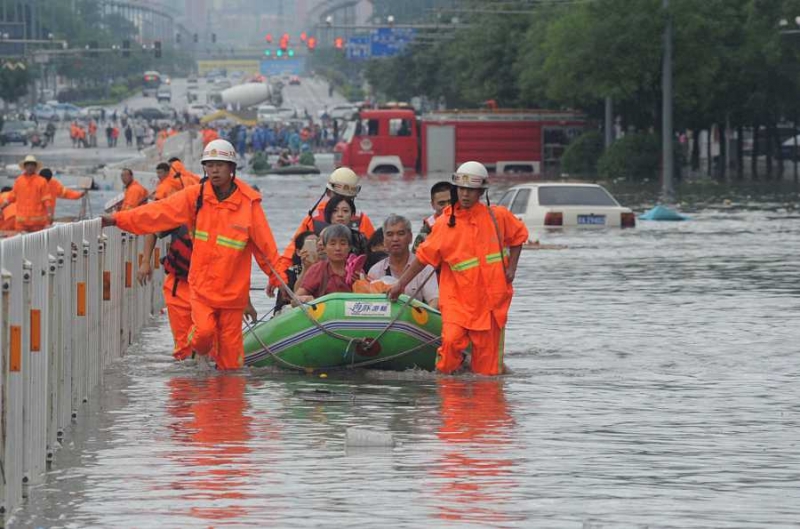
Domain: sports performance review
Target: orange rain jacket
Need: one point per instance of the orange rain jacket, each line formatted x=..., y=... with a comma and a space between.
x=209, y=135
x=135, y=196
x=57, y=190
x=472, y=283
x=178, y=178
x=9, y=221
x=34, y=203
x=365, y=226
x=227, y=235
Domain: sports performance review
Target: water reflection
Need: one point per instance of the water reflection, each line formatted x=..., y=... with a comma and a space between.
x=210, y=418
x=476, y=471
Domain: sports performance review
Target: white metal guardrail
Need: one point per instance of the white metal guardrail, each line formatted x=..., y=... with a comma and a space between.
x=70, y=306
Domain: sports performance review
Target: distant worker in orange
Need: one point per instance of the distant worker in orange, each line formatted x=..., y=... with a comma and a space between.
x=31, y=193
x=230, y=227
x=58, y=190
x=208, y=134
x=477, y=247
x=135, y=193
x=9, y=216
x=177, y=294
x=344, y=182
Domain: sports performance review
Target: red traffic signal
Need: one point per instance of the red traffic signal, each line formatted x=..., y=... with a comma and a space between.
x=338, y=43
x=303, y=36
x=311, y=43
x=268, y=38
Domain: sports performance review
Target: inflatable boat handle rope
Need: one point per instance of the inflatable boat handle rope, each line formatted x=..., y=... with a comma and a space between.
x=350, y=340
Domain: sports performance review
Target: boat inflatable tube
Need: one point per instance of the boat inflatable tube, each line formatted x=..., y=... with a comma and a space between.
x=662, y=213
x=347, y=331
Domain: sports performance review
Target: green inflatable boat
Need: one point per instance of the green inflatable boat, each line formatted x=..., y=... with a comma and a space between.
x=348, y=331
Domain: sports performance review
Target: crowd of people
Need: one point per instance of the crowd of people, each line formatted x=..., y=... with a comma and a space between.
x=464, y=261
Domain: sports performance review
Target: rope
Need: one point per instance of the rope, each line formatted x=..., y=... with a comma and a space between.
x=266, y=348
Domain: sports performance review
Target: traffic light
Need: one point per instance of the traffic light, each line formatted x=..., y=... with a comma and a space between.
x=303, y=36
x=157, y=49
x=284, y=44
x=338, y=43
x=126, y=48
x=268, y=53
x=311, y=43
x=291, y=52
x=279, y=53
x=213, y=38
x=268, y=38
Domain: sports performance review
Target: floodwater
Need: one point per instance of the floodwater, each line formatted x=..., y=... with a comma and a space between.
x=654, y=383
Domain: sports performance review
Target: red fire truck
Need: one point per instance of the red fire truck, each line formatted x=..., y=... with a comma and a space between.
x=507, y=142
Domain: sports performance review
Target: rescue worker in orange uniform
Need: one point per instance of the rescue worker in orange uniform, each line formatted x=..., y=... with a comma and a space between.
x=477, y=247
x=31, y=193
x=58, y=190
x=135, y=193
x=176, y=291
x=8, y=220
x=208, y=134
x=344, y=182
x=230, y=227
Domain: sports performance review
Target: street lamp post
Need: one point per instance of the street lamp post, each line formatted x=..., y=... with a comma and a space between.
x=667, y=155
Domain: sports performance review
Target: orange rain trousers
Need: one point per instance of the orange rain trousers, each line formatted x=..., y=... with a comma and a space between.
x=179, y=312
x=217, y=333
x=487, y=349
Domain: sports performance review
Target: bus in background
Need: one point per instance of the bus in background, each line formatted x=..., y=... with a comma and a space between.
x=150, y=84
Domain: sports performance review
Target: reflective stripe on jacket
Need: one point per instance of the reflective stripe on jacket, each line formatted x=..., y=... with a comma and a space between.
x=472, y=283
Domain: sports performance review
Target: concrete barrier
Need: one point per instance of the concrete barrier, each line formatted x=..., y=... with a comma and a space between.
x=70, y=307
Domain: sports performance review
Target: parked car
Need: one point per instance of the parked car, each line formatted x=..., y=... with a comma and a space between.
x=566, y=204
x=68, y=111
x=44, y=112
x=294, y=80
x=198, y=110
x=17, y=132
x=164, y=94
x=94, y=112
x=150, y=113
x=266, y=113
x=191, y=81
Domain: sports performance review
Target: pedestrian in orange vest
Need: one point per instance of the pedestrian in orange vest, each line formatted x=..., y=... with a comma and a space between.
x=209, y=135
x=57, y=189
x=8, y=220
x=135, y=193
x=344, y=182
x=31, y=193
x=92, y=133
x=477, y=248
x=230, y=228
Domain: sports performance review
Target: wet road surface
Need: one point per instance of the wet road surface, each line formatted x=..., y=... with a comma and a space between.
x=654, y=383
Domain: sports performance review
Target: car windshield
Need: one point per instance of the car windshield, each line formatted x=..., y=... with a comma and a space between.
x=575, y=196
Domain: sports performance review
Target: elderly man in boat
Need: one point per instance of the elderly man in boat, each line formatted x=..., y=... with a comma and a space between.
x=397, y=240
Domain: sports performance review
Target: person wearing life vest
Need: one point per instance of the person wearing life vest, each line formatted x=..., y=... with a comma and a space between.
x=8, y=219
x=344, y=182
x=230, y=228
x=477, y=248
x=440, y=199
x=31, y=193
x=57, y=189
x=135, y=193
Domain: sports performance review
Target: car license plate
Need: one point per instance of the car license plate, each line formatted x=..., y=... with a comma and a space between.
x=594, y=220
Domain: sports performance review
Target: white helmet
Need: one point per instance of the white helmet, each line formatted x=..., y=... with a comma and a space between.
x=344, y=181
x=471, y=174
x=220, y=150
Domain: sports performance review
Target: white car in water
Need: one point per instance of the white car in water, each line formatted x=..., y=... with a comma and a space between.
x=566, y=204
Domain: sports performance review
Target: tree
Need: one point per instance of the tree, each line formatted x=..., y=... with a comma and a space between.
x=13, y=83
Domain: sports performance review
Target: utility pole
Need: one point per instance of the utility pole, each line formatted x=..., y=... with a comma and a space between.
x=609, y=124
x=668, y=188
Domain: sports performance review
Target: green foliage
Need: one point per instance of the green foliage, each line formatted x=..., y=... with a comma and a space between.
x=634, y=157
x=581, y=156
x=13, y=83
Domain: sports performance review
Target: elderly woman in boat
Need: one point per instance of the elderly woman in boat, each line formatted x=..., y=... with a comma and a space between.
x=329, y=275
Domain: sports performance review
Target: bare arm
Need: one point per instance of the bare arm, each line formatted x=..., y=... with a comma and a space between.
x=416, y=267
x=146, y=270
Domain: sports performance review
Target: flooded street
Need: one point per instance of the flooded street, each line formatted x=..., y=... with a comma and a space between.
x=654, y=382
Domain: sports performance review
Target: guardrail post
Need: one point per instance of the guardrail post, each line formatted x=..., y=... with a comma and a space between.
x=5, y=491
x=27, y=403
x=53, y=354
